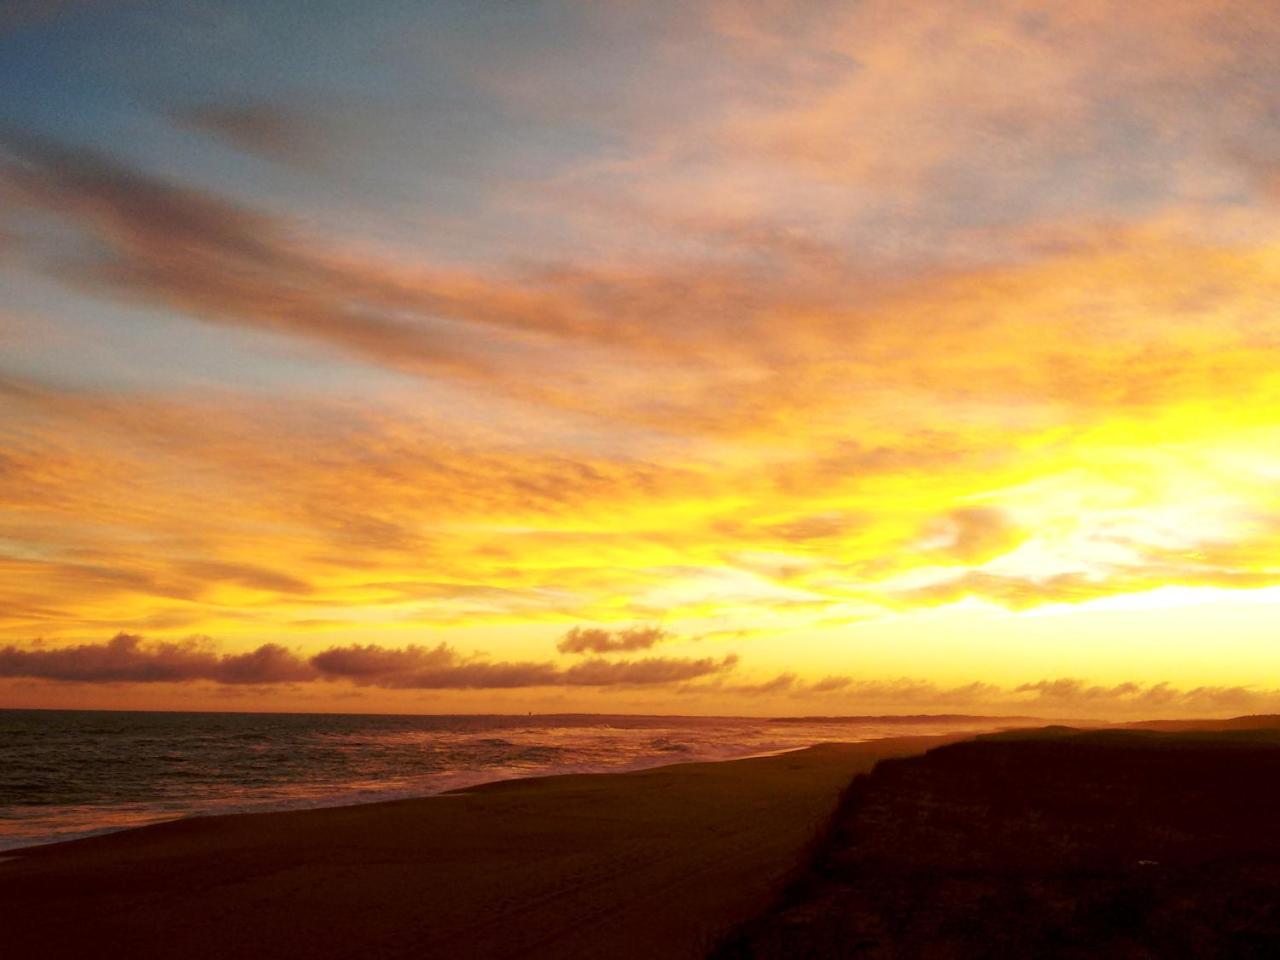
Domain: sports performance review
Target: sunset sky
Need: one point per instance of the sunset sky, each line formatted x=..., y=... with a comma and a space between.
x=675, y=357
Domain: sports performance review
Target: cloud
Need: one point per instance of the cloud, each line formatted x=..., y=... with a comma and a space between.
x=815, y=527
x=859, y=694
x=256, y=127
x=1133, y=697
x=1017, y=592
x=599, y=673
x=830, y=684
x=737, y=350
x=1063, y=696
x=451, y=532
x=902, y=104
x=900, y=691
x=226, y=263
x=442, y=667
x=428, y=668
x=269, y=663
x=976, y=534
x=782, y=683
x=128, y=658
x=543, y=333
x=785, y=383
x=1014, y=592
x=1070, y=688
x=597, y=640
x=247, y=575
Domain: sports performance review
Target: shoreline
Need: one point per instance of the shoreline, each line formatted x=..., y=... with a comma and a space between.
x=111, y=818
x=341, y=801
x=645, y=863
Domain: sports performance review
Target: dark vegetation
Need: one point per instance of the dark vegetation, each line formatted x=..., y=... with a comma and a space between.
x=1046, y=844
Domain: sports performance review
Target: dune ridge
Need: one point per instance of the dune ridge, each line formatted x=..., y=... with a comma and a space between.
x=1125, y=842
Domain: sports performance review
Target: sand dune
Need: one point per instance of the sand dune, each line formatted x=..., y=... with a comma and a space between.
x=1044, y=844
x=653, y=864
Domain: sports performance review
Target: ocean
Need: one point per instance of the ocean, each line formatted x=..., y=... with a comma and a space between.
x=66, y=774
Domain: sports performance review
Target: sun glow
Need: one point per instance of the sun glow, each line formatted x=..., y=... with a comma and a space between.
x=812, y=347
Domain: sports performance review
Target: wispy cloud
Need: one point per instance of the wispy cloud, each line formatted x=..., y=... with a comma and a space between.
x=255, y=126
x=226, y=263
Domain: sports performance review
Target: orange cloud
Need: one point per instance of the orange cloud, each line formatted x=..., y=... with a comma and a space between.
x=1156, y=697
x=127, y=658
x=597, y=640
x=130, y=660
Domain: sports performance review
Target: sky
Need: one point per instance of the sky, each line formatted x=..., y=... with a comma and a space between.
x=667, y=357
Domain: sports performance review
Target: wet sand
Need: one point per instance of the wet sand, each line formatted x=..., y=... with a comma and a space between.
x=650, y=864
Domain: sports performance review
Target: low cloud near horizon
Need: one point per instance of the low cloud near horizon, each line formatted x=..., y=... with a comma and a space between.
x=130, y=659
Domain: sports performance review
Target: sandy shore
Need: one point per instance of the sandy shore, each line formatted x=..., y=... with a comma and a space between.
x=650, y=864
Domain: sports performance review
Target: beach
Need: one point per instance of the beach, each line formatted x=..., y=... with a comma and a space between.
x=71, y=774
x=656, y=863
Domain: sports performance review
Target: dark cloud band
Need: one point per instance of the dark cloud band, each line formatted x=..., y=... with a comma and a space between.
x=128, y=658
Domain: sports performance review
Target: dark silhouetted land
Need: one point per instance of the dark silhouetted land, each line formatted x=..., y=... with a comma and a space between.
x=1051, y=844
x=654, y=864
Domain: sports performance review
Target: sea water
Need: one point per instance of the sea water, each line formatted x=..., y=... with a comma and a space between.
x=65, y=774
